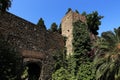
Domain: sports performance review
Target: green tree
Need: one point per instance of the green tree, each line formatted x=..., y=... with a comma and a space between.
x=93, y=22
x=5, y=4
x=81, y=47
x=86, y=71
x=84, y=13
x=80, y=64
x=107, y=60
x=61, y=74
x=54, y=27
x=60, y=59
x=41, y=23
x=81, y=40
x=72, y=66
x=10, y=61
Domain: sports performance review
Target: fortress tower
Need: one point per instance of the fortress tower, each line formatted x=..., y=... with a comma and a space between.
x=67, y=28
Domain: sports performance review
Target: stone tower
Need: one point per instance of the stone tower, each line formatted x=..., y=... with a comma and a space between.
x=67, y=28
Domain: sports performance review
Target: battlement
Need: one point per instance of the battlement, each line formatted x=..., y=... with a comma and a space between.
x=71, y=15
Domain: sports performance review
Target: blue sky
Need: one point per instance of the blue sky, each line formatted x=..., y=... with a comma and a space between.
x=54, y=10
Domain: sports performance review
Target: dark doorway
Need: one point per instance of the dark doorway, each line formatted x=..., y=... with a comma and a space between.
x=34, y=71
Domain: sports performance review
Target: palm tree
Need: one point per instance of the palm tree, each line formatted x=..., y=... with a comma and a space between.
x=5, y=4
x=107, y=60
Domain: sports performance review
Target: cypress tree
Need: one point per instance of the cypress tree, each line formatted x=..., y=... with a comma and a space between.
x=41, y=23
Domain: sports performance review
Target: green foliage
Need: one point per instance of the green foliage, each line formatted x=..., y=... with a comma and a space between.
x=41, y=24
x=25, y=73
x=5, y=4
x=54, y=27
x=93, y=22
x=81, y=41
x=84, y=13
x=108, y=67
x=72, y=66
x=81, y=47
x=61, y=74
x=79, y=66
x=10, y=61
x=86, y=71
x=64, y=68
x=60, y=59
x=108, y=57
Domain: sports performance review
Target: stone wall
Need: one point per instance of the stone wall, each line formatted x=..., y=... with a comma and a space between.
x=67, y=31
x=27, y=35
x=77, y=17
x=67, y=28
x=34, y=42
x=22, y=33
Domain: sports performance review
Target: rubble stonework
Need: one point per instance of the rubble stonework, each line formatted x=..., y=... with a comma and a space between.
x=35, y=44
x=67, y=28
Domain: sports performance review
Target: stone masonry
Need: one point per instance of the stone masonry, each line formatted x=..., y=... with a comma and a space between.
x=67, y=28
x=35, y=44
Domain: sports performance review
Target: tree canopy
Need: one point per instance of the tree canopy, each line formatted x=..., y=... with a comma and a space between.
x=5, y=4
x=41, y=23
x=93, y=21
x=107, y=60
x=54, y=27
x=78, y=66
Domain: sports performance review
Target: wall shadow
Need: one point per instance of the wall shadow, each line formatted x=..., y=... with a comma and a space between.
x=34, y=71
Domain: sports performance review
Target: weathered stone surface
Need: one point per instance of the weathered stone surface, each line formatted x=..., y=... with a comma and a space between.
x=36, y=44
x=67, y=28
